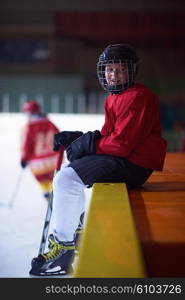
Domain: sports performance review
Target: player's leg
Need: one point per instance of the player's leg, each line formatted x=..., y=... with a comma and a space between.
x=68, y=205
x=107, y=168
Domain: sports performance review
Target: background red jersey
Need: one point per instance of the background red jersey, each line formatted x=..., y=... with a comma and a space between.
x=37, y=149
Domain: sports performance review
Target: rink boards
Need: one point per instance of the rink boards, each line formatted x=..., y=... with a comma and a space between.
x=140, y=233
x=109, y=245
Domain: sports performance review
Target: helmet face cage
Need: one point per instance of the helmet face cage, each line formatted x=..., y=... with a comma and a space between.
x=123, y=56
x=116, y=88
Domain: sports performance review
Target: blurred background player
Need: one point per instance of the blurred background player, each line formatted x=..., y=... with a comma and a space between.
x=37, y=146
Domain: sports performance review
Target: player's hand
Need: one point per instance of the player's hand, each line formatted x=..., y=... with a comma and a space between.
x=84, y=145
x=23, y=163
x=65, y=138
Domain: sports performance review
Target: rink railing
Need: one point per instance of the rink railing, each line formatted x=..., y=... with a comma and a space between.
x=55, y=103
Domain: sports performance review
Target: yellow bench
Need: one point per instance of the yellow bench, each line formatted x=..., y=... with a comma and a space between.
x=109, y=246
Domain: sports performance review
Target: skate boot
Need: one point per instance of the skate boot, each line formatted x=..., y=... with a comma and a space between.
x=78, y=232
x=57, y=261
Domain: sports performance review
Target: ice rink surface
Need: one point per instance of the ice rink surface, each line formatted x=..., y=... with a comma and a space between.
x=21, y=226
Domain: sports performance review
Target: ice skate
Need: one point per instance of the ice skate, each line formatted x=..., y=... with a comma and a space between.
x=57, y=261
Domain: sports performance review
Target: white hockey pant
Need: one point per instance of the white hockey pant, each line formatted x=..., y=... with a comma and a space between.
x=68, y=203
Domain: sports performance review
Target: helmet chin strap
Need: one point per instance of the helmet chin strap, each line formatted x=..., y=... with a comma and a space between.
x=117, y=89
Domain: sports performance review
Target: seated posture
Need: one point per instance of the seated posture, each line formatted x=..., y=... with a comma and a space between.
x=37, y=146
x=128, y=148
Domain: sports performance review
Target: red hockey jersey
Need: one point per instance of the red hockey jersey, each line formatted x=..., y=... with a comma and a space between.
x=132, y=128
x=37, y=139
x=37, y=147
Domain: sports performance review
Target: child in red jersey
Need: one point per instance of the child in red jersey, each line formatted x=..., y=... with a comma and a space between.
x=128, y=148
x=37, y=146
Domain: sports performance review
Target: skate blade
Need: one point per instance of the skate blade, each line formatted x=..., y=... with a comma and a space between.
x=53, y=274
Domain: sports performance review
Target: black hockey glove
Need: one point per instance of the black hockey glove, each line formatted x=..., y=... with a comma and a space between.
x=84, y=145
x=65, y=138
x=23, y=163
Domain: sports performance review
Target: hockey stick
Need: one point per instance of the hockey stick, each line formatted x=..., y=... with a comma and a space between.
x=49, y=209
x=16, y=189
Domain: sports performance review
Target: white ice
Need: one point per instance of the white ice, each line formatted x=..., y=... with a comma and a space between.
x=21, y=226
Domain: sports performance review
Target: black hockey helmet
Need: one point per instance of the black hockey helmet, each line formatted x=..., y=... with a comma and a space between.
x=122, y=54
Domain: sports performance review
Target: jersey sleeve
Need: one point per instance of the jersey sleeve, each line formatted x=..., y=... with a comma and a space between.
x=26, y=143
x=104, y=129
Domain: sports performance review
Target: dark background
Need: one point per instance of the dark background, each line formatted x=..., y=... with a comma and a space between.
x=49, y=49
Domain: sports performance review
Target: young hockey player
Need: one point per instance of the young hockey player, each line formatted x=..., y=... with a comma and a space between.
x=128, y=148
x=37, y=146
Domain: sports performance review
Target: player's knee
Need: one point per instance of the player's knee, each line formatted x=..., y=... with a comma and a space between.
x=62, y=178
x=66, y=178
